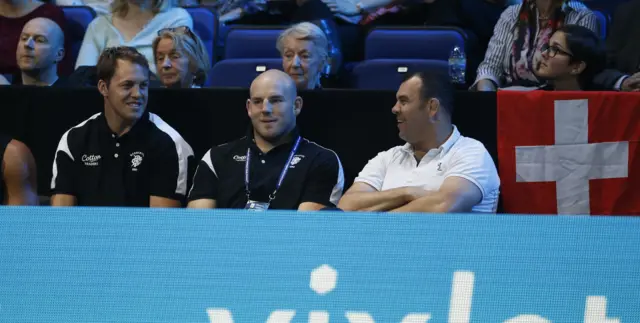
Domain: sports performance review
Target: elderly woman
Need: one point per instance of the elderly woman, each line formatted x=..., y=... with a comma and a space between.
x=133, y=23
x=180, y=58
x=518, y=37
x=304, y=48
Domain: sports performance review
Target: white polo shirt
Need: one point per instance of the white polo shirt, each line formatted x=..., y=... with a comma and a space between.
x=459, y=156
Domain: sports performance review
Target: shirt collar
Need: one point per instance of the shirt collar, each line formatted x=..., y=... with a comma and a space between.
x=443, y=149
x=288, y=144
x=136, y=129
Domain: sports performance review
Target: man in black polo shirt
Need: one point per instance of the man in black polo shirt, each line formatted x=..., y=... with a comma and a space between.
x=125, y=156
x=272, y=167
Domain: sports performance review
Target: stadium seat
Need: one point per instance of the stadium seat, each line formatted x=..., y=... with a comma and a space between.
x=205, y=25
x=9, y=77
x=78, y=19
x=252, y=42
x=387, y=74
x=413, y=43
x=240, y=72
x=603, y=23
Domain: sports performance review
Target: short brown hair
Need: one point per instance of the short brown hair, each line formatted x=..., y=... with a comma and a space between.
x=108, y=61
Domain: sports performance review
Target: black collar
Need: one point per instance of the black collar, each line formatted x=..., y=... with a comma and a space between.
x=251, y=143
x=137, y=128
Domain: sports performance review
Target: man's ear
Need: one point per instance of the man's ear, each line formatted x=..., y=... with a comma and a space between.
x=433, y=105
x=103, y=88
x=297, y=105
x=60, y=55
x=248, y=106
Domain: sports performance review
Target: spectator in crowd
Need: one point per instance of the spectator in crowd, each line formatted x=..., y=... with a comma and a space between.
x=438, y=170
x=272, y=167
x=18, y=180
x=181, y=59
x=304, y=50
x=258, y=12
x=518, y=37
x=133, y=23
x=3, y=80
x=623, y=50
x=102, y=7
x=14, y=14
x=124, y=156
x=40, y=49
x=572, y=58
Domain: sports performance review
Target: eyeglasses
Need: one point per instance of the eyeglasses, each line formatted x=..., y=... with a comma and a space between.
x=553, y=50
x=179, y=30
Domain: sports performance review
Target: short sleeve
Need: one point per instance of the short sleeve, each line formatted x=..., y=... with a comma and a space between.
x=325, y=181
x=205, y=180
x=62, y=181
x=474, y=164
x=375, y=171
x=170, y=170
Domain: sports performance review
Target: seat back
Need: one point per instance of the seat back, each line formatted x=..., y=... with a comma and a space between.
x=205, y=25
x=388, y=74
x=252, y=42
x=413, y=43
x=78, y=19
x=603, y=23
x=240, y=72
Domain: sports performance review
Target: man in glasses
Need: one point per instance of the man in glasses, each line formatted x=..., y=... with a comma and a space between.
x=272, y=167
x=124, y=156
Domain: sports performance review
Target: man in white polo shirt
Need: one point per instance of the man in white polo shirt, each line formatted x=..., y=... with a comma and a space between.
x=437, y=170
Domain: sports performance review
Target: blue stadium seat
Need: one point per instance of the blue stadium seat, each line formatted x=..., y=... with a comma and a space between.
x=413, y=43
x=205, y=25
x=240, y=72
x=9, y=77
x=248, y=42
x=78, y=19
x=387, y=74
x=603, y=23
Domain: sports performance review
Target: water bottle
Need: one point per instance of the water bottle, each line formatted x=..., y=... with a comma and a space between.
x=457, y=65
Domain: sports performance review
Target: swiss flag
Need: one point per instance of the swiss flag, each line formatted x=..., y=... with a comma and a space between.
x=569, y=152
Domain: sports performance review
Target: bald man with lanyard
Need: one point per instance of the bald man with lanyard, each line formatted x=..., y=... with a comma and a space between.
x=272, y=167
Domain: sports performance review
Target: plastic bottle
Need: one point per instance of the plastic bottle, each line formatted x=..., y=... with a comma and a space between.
x=457, y=65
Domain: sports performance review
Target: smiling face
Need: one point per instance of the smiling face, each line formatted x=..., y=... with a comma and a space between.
x=126, y=92
x=412, y=113
x=273, y=105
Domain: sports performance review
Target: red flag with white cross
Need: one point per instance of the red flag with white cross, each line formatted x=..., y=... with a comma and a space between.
x=569, y=152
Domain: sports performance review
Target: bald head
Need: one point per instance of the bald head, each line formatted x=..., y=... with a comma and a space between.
x=45, y=27
x=41, y=45
x=275, y=79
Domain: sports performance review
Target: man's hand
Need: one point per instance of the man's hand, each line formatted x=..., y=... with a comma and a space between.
x=346, y=8
x=631, y=83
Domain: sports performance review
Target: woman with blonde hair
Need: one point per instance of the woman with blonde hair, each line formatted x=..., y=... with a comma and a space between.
x=180, y=58
x=133, y=23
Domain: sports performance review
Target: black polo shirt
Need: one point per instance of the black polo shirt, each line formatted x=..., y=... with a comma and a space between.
x=315, y=175
x=99, y=168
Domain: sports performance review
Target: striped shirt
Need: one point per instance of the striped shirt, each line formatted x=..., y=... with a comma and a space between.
x=496, y=61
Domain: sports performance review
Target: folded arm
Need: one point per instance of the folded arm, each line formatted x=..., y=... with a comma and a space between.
x=363, y=197
x=456, y=194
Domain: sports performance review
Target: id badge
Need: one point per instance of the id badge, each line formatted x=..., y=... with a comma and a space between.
x=256, y=206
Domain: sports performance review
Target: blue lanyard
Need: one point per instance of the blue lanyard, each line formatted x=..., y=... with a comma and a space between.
x=285, y=169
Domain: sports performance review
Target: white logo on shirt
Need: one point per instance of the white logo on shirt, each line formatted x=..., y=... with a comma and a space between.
x=136, y=160
x=240, y=158
x=296, y=159
x=91, y=160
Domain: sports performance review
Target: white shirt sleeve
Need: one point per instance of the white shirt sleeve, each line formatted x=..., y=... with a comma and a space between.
x=92, y=44
x=474, y=164
x=375, y=171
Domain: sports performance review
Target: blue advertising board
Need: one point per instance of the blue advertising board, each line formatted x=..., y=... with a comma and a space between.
x=143, y=265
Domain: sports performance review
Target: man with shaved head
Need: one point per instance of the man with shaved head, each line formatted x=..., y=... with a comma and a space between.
x=272, y=167
x=40, y=49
